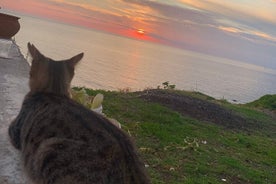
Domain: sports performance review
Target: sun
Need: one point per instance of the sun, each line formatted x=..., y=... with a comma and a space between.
x=141, y=31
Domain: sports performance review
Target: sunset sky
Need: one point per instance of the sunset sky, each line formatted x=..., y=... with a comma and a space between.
x=238, y=29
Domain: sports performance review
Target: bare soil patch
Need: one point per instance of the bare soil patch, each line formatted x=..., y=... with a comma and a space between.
x=202, y=110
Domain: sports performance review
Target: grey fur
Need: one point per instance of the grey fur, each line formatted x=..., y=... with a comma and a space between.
x=61, y=141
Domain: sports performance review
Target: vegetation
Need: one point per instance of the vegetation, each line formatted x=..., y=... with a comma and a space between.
x=178, y=148
x=265, y=102
x=167, y=85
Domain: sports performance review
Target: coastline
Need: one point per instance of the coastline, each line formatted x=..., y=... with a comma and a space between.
x=151, y=116
x=13, y=87
x=115, y=63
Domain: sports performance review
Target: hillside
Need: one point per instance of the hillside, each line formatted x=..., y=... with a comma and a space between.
x=188, y=137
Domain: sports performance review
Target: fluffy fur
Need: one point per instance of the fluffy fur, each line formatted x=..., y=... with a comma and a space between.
x=61, y=141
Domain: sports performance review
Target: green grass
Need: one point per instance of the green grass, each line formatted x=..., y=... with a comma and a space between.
x=183, y=150
x=261, y=121
x=265, y=102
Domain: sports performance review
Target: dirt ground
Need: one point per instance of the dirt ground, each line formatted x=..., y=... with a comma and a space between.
x=199, y=109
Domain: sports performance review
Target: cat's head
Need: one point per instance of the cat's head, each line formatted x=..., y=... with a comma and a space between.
x=47, y=75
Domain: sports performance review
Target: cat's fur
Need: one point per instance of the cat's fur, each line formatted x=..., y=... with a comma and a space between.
x=61, y=141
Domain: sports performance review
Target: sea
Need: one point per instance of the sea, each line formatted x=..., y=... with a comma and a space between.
x=113, y=62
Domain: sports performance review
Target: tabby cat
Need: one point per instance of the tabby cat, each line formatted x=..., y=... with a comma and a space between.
x=61, y=141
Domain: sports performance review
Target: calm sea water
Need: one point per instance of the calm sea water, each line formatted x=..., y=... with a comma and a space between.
x=113, y=62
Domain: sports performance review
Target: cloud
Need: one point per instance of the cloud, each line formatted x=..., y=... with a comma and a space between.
x=175, y=13
x=211, y=14
x=251, y=35
x=262, y=10
x=213, y=29
x=205, y=26
x=114, y=13
x=81, y=6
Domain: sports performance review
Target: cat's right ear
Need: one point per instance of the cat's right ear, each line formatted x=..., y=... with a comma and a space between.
x=34, y=51
x=74, y=60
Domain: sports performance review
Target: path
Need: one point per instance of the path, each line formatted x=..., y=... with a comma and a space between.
x=13, y=87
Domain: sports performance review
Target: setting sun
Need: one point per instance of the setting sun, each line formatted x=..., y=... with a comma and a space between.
x=141, y=31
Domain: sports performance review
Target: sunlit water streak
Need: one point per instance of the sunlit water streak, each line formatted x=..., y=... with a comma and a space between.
x=113, y=62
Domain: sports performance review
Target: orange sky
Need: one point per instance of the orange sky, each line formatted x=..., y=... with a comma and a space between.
x=139, y=14
x=77, y=14
x=210, y=26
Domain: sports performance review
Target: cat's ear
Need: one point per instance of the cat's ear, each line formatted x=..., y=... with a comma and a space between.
x=74, y=60
x=34, y=51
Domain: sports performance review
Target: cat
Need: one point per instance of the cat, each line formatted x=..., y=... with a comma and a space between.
x=63, y=142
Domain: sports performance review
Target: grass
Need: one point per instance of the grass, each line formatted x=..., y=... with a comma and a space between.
x=179, y=149
x=265, y=102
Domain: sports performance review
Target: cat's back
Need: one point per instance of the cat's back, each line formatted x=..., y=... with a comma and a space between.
x=65, y=118
x=64, y=138
x=61, y=141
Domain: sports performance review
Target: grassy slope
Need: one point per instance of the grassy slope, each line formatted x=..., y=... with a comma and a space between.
x=265, y=102
x=180, y=149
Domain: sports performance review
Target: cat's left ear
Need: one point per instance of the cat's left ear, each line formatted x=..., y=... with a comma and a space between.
x=74, y=60
x=34, y=51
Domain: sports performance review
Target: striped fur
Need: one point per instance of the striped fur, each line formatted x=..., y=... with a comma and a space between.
x=61, y=141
